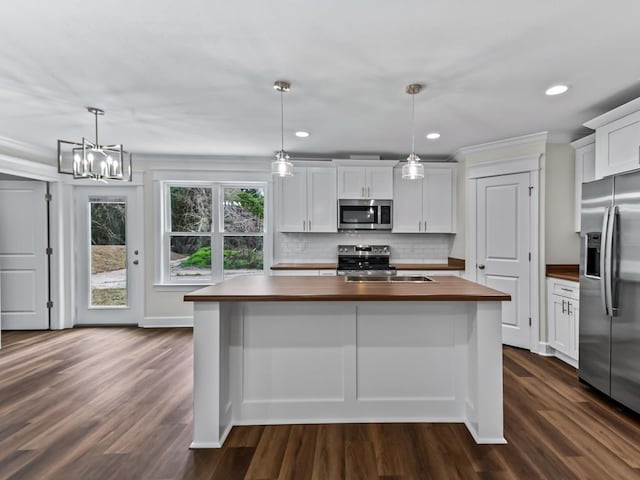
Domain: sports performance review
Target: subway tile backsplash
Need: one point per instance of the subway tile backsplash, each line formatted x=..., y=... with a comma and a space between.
x=321, y=247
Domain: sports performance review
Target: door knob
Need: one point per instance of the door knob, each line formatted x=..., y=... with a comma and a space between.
x=481, y=266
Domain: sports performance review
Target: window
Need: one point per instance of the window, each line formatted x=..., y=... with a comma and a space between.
x=212, y=231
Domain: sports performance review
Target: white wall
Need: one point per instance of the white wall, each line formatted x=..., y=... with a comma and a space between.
x=562, y=243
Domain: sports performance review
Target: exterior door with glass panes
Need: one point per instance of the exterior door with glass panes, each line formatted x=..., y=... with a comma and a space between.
x=109, y=241
x=213, y=232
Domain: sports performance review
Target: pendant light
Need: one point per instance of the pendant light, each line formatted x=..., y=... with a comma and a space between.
x=413, y=169
x=282, y=167
x=92, y=160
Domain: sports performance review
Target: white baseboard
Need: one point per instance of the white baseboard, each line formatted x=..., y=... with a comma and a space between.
x=545, y=350
x=166, y=322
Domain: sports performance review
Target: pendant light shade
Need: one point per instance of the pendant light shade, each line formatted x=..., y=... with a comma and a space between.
x=93, y=160
x=282, y=167
x=413, y=169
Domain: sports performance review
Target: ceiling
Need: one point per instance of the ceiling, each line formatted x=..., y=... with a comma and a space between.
x=195, y=76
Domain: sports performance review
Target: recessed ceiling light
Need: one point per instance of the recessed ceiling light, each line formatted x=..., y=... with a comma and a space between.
x=302, y=134
x=433, y=135
x=556, y=90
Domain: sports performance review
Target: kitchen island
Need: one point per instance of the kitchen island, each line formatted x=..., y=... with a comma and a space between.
x=273, y=350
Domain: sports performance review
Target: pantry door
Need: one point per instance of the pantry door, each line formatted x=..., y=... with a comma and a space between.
x=24, y=277
x=503, y=252
x=110, y=270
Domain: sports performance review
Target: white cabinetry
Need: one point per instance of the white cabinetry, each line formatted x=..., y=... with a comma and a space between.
x=563, y=318
x=617, y=139
x=585, y=170
x=427, y=205
x=307, y=201
x=306, y=273
x=364, y=180
x=431, y=273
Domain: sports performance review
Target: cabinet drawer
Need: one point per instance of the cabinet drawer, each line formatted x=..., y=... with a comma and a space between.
x=565, y=289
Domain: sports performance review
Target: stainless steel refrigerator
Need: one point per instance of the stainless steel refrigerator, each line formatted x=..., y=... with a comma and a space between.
x=609, y=349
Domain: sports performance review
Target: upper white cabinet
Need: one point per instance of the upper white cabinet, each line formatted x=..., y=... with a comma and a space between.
x=427, y=205
x=617, y=139
x=585, y=171
x=307, y=201
x=364, y=180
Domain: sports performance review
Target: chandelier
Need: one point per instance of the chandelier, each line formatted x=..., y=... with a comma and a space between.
x=92, y=160
x=413, y=169
x=282, y=167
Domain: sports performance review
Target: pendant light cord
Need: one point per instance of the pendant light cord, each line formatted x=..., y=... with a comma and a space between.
x=413, y=123
x=282, y=120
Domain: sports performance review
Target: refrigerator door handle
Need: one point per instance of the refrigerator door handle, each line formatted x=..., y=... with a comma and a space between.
x=613, y=211
x=603, y=261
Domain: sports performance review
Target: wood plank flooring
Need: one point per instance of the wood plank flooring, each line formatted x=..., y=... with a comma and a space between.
x=115, y=403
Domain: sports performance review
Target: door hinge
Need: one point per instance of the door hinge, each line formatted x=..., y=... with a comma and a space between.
x=529, y=321
x=49, y=251
x=530, y=189
x=49, y=304
x=529, y=256
x=48, y=197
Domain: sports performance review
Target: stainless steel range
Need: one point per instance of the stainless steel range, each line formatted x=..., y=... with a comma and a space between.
x=364, y=260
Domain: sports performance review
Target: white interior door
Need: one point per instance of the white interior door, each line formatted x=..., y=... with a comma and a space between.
x=503, y=223
x=110, y=271
x=23, y=257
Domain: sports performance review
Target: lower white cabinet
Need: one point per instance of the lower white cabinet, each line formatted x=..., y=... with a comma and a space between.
x=312, y=273
x=563, y=318
x=430, y=273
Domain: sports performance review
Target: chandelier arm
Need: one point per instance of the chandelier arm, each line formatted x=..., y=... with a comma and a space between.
x=96, y=117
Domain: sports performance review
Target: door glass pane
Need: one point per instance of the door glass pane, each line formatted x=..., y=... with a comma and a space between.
x=191, y=209
x=243, y=210
x=190, y=257
x=243, y=256
x=108, y=253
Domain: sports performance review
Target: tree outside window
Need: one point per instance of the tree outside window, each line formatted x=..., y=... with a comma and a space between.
x=194, y=241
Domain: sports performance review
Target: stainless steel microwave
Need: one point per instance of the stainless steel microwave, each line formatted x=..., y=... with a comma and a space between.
x=365, y=214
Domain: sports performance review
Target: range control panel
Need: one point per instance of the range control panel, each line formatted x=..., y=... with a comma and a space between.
x=364, y=250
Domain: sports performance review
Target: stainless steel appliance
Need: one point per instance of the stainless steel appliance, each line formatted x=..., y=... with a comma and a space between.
x=365, y=214
x=609, y=347
x=364, y=260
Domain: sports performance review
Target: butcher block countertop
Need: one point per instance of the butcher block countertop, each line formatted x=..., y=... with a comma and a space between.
x=564, y=271
x=453, y=264
x=264, y=288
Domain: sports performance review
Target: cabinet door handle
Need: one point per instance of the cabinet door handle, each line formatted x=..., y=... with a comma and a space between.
x=425, y=225
x=562, y=306
x=368, y=191
x=569, y=307
x=419, y=226
x=303, y=225
x=362, y=191
x=309, y=225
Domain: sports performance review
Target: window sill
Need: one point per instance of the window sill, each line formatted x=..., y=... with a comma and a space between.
x=179, y=287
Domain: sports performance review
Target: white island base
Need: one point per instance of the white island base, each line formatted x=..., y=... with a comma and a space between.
x=258, y=363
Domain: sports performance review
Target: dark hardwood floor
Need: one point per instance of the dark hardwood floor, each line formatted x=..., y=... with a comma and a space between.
x=115, y=403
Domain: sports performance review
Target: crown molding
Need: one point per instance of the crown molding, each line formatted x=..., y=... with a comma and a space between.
x=26, y=151
x=20, y=167
x=540, y=137
x=615, y=114
x=581, y=142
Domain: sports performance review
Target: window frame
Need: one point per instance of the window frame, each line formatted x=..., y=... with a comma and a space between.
x=216, y=235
